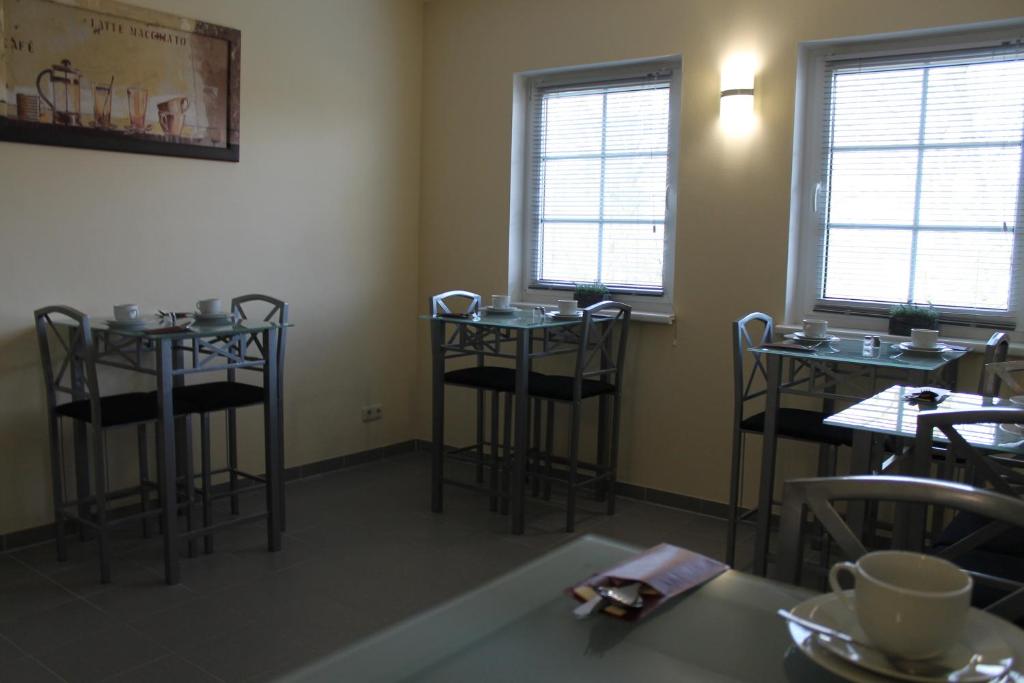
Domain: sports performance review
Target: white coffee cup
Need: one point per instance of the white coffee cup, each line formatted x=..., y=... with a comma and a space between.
x=567, y=307
x=210, y=307
x=126, y=312
x=815, y=328
x=923, y=338
x=501, y=301
x=910, y=605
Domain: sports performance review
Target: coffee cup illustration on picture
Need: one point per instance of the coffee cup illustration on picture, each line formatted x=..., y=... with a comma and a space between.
x=172, y=115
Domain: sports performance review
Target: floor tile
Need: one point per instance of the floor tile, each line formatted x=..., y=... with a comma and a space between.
x=44, y=630
x=26, y=670
x=101, y=654
x=29, y=595
x=139, y=592
x=165, y=670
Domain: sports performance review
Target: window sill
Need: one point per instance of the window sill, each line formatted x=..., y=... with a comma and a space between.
x=635, y=316
x=974, y=345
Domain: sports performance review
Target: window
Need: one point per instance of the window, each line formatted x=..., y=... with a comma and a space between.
x=912, y=181
x=599, y=195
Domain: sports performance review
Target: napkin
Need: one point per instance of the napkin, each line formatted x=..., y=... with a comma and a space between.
x=665, y=572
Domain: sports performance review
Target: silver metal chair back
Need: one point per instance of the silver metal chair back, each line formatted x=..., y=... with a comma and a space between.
x=439, y=303
x=273, y=310
x=986, y=467
x=996, y=350
x=745, y=336
x=602, y=351
x=819, y=496
x=1009, y=373
x=59, y=366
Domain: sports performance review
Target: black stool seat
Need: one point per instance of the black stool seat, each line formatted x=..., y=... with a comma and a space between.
x=483, y=377
x=808, y=425
x=214, y=396
x=120, y=409
x=559, y=387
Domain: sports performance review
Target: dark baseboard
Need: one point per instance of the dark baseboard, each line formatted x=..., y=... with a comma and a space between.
x=656, y=496
x=31, y=536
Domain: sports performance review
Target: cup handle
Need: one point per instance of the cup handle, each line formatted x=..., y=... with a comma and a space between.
x=833, y=581
x=184, y=105
x=133, y=313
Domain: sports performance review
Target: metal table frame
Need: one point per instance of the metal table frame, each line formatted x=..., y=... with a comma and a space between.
x=127, y=350
x=820, y=376
x=484, y=337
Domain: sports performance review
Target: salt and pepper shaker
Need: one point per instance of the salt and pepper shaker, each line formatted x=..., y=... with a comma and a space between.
x=869, y=345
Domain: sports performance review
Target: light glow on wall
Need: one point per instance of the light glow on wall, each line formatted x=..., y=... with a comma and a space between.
x=736, y=112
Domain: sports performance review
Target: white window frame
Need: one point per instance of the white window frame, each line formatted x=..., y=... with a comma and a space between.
x=654, y=308
x=804, y=267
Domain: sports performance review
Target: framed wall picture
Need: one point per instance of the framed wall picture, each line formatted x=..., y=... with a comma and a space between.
x=105, y=75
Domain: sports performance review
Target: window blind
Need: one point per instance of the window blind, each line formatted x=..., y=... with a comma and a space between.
x=599, y=154
x=919, y=198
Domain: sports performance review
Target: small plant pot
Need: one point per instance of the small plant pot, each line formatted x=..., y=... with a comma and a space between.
x=902, y=326
x=585, y=300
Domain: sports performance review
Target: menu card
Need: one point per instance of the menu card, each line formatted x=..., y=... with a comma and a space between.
x=664, y=570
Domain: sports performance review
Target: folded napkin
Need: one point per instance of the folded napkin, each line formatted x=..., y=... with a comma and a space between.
x=664, y=570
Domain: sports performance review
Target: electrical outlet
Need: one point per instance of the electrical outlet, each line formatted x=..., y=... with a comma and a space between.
x=374, y=411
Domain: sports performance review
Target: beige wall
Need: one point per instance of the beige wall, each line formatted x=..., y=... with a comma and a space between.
x=733, y=213
x=322, y=211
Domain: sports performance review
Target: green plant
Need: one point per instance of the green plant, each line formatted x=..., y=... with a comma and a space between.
x=904, y=317
x=590, y=293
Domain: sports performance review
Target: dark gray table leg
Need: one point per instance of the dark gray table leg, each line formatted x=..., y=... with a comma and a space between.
x=522, y=431
x=271, y=441
x=437, y=451
x=166, y=460
x=860, y=463
x=764, y=503
x=80, y=439
x=183, y=448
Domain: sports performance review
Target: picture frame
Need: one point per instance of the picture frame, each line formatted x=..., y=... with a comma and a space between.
x=102, y=74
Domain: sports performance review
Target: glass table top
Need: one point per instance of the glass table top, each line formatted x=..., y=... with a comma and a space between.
x=198, y=329
x=521, y=319
x=889, y=413
x=852, y=351
x=520, y=627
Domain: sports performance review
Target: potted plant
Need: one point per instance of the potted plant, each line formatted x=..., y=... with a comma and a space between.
x=590, y=293
x=905, y=317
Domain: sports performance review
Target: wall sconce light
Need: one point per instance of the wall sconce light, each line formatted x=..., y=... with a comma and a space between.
x=736, y=113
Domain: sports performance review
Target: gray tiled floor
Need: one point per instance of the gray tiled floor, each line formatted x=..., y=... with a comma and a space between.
x=362, y=551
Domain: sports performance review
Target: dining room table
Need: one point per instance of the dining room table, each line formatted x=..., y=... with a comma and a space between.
x=835, y=370
x=158, y=348
x=523, y=336
x=893, y=413
x=520, y=627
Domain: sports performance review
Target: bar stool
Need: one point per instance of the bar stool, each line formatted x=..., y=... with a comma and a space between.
x=600, y=362
x=210, y=397
x=74, y=373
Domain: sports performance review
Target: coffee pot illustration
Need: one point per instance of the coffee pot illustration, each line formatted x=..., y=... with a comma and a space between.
x=66, y=93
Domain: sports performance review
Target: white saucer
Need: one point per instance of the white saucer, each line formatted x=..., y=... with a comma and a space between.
x=493, y=310
x=564, y=316
x=127, y=324
x=804, y=339
x=1012, y=428
x=982, y=634
x=909, y=346
x=220, y=318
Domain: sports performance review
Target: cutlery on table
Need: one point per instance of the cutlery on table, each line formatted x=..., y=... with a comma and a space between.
x=928, y=668
x=626, y=596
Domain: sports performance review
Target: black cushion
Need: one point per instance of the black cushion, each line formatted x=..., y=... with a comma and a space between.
x=559, y=387
x=120, y=409
x=802, y=424
x=485, y=377
x=213, y=396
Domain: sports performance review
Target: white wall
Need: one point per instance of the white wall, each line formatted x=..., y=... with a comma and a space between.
x=321, y=211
